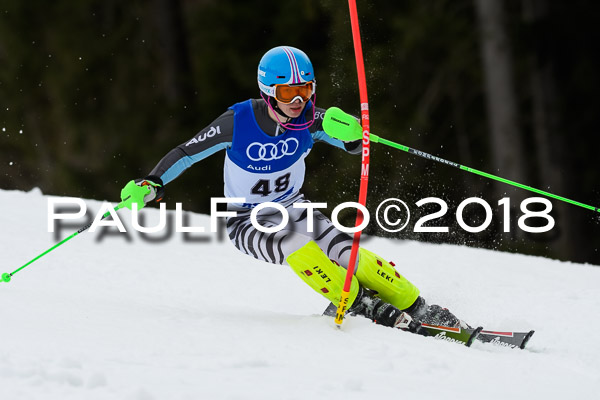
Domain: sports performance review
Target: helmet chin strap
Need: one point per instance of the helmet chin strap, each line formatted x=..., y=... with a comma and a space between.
x=276, y=110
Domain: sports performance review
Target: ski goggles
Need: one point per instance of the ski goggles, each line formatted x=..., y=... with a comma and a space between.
x=287, y=94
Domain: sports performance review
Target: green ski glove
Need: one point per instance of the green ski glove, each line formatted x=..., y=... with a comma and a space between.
x=142, y=192
x=340, y=125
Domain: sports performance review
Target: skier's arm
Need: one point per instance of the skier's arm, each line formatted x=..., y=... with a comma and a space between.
x=216, y=136
x=319, y=135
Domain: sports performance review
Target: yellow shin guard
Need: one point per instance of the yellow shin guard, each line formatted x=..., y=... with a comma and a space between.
x=326, y=278
x=380, y=276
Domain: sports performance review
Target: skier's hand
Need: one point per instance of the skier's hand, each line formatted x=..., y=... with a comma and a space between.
x=342, y=126
x=142, y=192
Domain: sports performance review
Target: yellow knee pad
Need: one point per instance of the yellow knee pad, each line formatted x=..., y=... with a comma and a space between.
x=326, y=278
x=380, y=276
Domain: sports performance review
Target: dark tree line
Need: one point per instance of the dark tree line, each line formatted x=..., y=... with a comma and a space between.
x=93, y=93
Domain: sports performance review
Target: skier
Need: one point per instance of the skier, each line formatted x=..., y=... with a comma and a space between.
x=266, y=141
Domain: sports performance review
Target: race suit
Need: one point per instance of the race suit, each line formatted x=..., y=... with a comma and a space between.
x=264, y=163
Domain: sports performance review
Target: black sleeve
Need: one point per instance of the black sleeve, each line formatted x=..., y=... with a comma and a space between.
x=216, y=136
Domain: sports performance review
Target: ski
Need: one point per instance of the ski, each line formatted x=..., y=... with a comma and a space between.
x=512, y=340
x=459, y=335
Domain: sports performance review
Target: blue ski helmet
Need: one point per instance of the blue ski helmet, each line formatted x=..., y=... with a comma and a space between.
x=283, y=65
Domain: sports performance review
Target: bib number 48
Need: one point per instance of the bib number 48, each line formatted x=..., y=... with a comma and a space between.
x=263, y=186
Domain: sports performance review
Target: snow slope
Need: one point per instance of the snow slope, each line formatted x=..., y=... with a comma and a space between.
x=179, y=320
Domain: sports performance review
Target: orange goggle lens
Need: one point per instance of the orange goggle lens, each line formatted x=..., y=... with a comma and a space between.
x=287, y=94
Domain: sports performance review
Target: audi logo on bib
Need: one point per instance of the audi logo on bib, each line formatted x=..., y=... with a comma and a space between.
x=272, y=151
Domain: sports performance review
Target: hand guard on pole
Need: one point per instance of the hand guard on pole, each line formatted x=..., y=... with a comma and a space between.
x=142, y=192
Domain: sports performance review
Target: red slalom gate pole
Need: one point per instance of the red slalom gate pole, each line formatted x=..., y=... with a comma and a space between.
x=364, y=172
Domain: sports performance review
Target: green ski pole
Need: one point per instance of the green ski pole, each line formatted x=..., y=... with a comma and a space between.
x=343, y=126
x=6, y=277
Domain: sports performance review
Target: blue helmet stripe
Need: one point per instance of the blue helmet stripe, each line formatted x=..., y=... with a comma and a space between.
x=293, y=65
x=288, y=53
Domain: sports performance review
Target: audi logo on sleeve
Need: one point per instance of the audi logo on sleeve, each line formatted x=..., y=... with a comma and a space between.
x=272, y=151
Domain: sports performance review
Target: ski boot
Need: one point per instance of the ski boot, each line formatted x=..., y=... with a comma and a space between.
x=382, y=313
x=433, y=314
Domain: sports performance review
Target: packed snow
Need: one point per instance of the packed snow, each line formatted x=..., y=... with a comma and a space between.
x=103, y=317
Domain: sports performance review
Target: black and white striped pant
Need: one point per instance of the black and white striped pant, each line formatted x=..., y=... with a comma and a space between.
x=275, y=247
